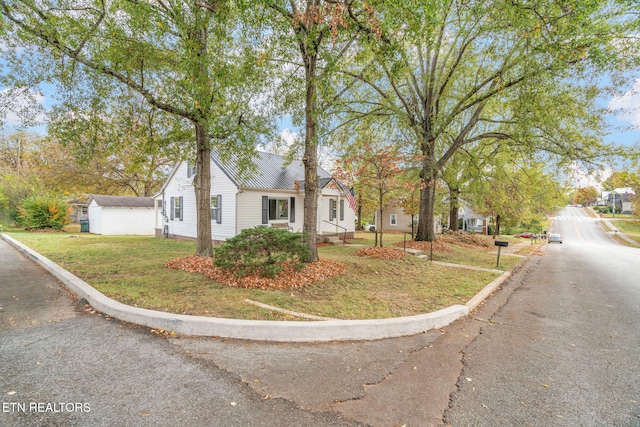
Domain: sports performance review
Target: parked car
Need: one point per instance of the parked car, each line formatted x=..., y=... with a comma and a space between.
x=554, y=237
x=526, y=235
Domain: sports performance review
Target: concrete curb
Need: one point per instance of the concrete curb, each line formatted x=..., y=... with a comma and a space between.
x=260, y=330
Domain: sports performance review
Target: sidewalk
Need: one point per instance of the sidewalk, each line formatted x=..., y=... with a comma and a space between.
x=275, y=331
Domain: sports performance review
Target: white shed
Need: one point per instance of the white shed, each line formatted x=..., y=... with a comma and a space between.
x=121, y=215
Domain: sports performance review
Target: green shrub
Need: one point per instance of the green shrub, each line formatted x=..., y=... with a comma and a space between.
x=261, y=250
x=43, y=211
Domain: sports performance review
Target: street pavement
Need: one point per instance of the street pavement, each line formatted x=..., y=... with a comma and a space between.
x=57, y=350
x=61, y=363
x=563, y=351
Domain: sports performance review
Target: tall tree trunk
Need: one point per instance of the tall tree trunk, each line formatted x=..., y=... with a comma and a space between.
x=310, y=161
x=359, y=210
x=454, y=205
x=429, y=175
x=202, y=187
x=379, y=230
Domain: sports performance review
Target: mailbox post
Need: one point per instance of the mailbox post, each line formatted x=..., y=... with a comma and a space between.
x=500, y=244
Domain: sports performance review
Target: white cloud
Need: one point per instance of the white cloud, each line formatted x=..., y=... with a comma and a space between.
x=627, y=105
x=289, y=137
x=580, y=178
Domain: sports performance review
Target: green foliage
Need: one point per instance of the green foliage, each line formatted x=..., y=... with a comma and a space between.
x=261, y=250
x=606, y=209
x=43, y=211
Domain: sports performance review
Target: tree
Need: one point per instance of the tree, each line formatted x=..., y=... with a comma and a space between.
x=189, y=60
x=314, y=31
x=377, y=165
x=457, y=72
x=514, y=192
x=585, y=195
x=127, y=147
x=621, y=179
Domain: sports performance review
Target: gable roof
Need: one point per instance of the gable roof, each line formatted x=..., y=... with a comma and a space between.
x=121, y=201
x=266, y=171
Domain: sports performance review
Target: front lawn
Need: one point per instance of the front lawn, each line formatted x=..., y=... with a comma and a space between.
x=630, y=227
x=132, y=270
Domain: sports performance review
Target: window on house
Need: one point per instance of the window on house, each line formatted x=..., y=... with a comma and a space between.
x=84, y=210
x=216, y=208
x=176, y=208
x=192, y=169
x=278, y=209
x=393, y=219
x=332, y=209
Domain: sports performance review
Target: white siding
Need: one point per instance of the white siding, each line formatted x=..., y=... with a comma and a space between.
x=121, y=221
x=95, y=218
x=250, y=208
x=327, y=226
x=127, y=221
x=182, y=186
x=222, y=185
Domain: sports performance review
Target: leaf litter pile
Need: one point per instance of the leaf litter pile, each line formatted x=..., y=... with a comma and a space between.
x=382, y=253
x=288, y=278
x=457, y=238
x=426, y=246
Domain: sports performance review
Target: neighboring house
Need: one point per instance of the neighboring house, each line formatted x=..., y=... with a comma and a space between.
x=621, y=197
x=78, y=209
x=468, y=220
x=121, y=215
x=269, y=193
x=394, y=219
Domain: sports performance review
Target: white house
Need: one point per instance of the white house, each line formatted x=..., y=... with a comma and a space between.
x=621, y=197
x=270, y=192
x=121, y=215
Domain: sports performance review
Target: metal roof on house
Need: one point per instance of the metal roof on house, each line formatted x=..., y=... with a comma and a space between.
x=266, y=170
x=121, y=201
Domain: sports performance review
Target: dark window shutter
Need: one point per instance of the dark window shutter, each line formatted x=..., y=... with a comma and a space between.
x=219, y=210
x=292, y=215
x=188, y=170
x=265, y=209
x=332, y=204
x=342, y=210
x=181, y=208
x=172, y=207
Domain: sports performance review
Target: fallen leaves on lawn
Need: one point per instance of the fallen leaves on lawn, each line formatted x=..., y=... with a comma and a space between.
x=382, y=253
x=466, y=239
x=426, y=246
x=287, y=278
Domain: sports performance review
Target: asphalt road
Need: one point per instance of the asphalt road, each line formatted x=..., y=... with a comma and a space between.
x=565, y=349
x=556, y=345
x=61, y=365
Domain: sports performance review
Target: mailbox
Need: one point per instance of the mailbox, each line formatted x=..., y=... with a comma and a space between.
x=500, y=243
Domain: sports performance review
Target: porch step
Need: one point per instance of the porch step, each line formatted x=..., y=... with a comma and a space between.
x=333, y=240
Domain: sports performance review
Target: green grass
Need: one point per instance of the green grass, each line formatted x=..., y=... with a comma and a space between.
x=131, y=270
x=629, y=227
